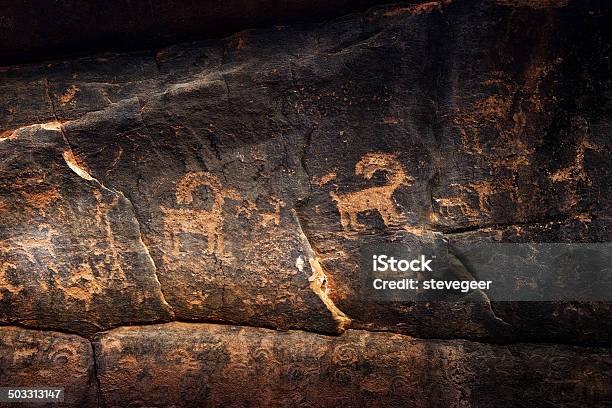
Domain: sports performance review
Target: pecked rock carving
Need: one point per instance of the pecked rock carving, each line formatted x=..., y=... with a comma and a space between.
x=197, y=221
x=513, y=149
x=357, y=369
x=70, y=254
x=378, y=198
x=168, y=190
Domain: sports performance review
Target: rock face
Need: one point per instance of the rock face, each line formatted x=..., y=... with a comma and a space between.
x=36, y=30
x=198, y=362
x=72, y=256
x=30, y=358
x=236, y=180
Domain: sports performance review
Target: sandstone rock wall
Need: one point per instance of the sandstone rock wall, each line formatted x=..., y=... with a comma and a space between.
x=233, y=181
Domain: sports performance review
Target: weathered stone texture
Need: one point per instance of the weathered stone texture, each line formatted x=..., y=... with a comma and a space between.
x=32, y=358
x=205, y=365
x=258, y=165
x=36, y=30
x=71, y=256
x=235, y=181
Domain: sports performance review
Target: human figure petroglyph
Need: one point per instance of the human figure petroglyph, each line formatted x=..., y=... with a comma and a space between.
x=103, y=220
x=197, y=221
x=377, y=198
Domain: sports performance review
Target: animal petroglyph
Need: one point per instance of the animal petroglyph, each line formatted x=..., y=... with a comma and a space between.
x=377, y=198
x=447, y=206
x=5, y=284
x=265, y=218
x=81, y=284
x=197, y=221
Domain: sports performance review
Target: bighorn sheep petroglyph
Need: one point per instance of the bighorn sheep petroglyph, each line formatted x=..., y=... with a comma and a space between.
x=377, y=198
x=197, y=221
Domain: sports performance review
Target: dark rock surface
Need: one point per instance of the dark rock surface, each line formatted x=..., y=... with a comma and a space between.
x=36, y=29
x=71, y=253
x=258, y=165
x=236, y=180
x=32, y=358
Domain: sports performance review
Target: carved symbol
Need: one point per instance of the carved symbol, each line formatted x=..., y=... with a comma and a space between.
x=197, y=221
x=343, y=376
x=5, y=283
x=346, y=354
x=81, y=284
x=374, y=198
x=274, y=216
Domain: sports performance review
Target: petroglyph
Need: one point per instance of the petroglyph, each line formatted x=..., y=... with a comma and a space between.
x=574, y=174
x=34, y=247
x=5, y=283
x=273, y=216
x=378, y=198
x=37, y=194
x=30, y=245
x=447, y=206
x=326, y=178
x=81, y=284
x=265, y=218
x=246, y=210
x=197, y=221
x=40, y=200
x=102, y=220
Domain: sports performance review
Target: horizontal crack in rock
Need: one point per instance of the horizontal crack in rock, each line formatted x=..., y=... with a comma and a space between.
x=161, y=325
